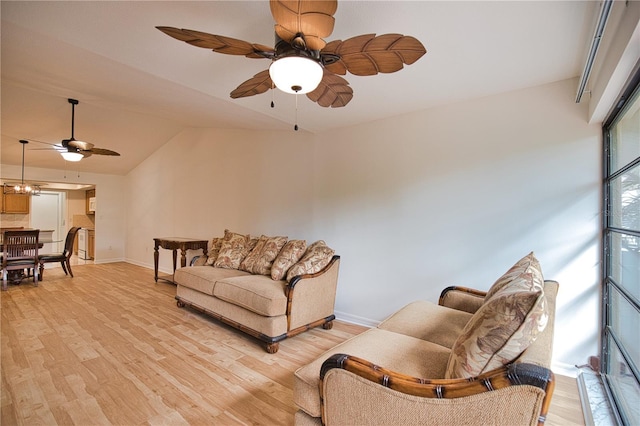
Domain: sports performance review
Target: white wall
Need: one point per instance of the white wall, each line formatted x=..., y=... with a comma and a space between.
x=110, y=217
x=206, y=180
x=455, y=195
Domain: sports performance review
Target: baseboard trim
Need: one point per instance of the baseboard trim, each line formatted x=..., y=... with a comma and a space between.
x=101, y=261
x=354, y=319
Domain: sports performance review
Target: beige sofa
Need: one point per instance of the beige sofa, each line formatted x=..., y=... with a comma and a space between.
x=289, y=288
x=419, y=366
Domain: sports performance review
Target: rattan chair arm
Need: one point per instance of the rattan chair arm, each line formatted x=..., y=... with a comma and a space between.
x=510, y=375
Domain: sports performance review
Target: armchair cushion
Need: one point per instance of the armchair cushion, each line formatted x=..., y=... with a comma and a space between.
x=412, y=356
x=528, y=264
x=424, y=320
x=500, y=330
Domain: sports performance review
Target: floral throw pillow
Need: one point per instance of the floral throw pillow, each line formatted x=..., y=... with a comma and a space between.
x=261, y=258
x=317, y=256
x=214, y=248
x=528, y=264
x=288, y=256
x=233, y=249
x=250, y=259
x=500, y=330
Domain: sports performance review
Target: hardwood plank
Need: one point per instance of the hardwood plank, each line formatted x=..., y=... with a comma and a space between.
x=110, y=347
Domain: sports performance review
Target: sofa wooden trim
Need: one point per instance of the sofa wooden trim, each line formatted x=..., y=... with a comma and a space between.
x=514, y=374
x=296, y=283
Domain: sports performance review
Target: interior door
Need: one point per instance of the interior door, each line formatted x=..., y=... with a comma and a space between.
x=47, y=212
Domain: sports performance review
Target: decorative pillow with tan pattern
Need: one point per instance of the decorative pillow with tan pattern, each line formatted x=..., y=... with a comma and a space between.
x=214, y=248
x=233, y=249
x=317, y=256
x=528, y=264
x=290, y=254
x=261, y=258
x=500, y=330
x=248, y=248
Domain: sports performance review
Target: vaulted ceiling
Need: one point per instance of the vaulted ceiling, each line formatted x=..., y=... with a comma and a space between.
x=138, y=87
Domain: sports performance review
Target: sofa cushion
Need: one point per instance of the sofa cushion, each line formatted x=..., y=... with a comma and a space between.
x=501, y=329
x=257, y=293
x=288, y=256
x=317, y=256
x=214, y=249
x=260, y=259
x=428, y=321
x=203, y=278
x=528, y=264
x=233, y=249
x=408, y=355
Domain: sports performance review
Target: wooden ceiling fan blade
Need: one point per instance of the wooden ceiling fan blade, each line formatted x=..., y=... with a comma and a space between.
x=218, y=43
x=333, y=91
x=369, y=55
x=99, y=151
x=53, y=148
x=256, y=85
x=313, y=19
x=45, y=143
x=81, y=145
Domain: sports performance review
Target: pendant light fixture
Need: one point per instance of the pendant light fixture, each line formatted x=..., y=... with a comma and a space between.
x=22, y=188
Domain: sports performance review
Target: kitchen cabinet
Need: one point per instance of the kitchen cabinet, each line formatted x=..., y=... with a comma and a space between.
x=91, y=201
x=15, y=203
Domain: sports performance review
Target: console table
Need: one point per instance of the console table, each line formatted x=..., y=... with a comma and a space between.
x=175, y=243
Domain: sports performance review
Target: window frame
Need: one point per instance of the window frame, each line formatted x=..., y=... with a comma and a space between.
x=609, y=341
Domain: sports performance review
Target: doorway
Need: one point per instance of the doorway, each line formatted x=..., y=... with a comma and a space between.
x=48, y=213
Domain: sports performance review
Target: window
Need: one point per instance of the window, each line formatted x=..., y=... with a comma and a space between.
x=621, y=250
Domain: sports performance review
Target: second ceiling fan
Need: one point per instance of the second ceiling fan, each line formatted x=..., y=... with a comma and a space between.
x=75, y=150
x=302, y=62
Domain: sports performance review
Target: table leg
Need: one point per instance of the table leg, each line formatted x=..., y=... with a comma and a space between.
x=175, y=257
x=183, y=257
x=155, y=262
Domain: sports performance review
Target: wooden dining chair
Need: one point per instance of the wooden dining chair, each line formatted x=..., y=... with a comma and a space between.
x=63, y=257
x=20, y=252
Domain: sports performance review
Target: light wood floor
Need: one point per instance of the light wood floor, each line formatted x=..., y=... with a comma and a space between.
x=110, y=347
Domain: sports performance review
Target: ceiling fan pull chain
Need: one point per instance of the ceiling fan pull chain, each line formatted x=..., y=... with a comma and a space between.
x=296, y=125
x=272, y=103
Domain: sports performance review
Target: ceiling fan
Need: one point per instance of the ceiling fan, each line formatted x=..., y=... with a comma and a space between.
x=302, y=62
x=74, y=150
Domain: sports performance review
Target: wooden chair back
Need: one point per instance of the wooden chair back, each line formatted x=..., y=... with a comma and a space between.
x=68, y=243
x=20, y=247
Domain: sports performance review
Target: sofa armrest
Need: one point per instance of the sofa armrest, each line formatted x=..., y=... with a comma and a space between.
x=356, y=390
x=462, y=298
x=311, y=297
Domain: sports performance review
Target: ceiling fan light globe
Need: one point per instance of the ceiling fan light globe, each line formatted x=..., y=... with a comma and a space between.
x=296, y=74
x=72, y=156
